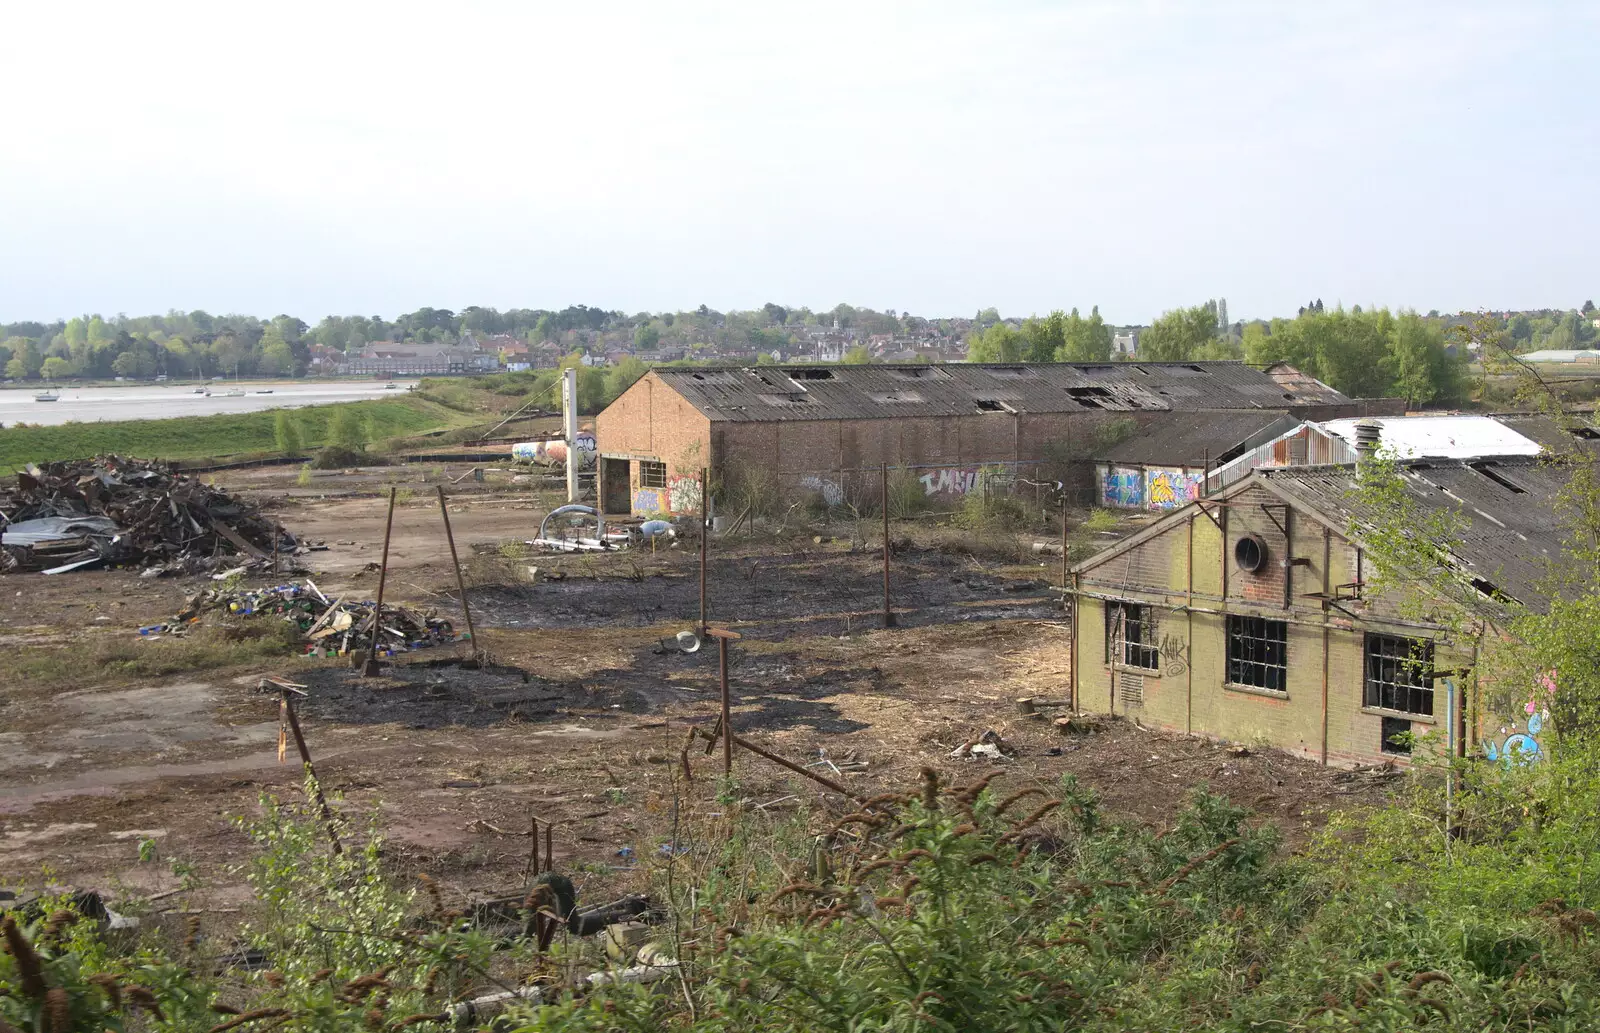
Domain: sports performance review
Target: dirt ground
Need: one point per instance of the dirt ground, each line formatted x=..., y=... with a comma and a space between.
x=580, y=716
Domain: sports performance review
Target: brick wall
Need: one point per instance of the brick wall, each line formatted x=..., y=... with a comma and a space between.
x=1188, y=690
x=650, y=421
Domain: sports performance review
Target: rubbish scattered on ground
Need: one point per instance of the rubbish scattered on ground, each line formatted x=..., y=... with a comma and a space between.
x=334, y=627
x=69, y=515
x=682, y=642
x=989, y=745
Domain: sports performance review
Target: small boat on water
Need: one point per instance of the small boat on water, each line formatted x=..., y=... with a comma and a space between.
x=391, y=387
x=201, y=391
x=264, y=391
x=47, y=396
x=233, y=392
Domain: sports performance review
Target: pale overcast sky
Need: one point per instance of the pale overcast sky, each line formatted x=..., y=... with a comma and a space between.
x=937, y=158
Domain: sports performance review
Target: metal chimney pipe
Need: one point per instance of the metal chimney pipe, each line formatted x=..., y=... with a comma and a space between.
x=1368, y=433
x=569, y=428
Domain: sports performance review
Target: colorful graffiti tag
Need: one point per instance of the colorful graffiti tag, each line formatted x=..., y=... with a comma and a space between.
x=1169, y=489
x=1121, y=487
x=1518, y=744
x=683, y=494
x=647, y=502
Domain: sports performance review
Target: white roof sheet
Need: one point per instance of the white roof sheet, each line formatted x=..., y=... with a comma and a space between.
x=1441, y=437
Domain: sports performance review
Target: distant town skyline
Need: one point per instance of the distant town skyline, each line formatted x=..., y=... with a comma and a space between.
x=931, y=158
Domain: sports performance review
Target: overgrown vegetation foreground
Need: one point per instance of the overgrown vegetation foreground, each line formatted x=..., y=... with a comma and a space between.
x=979, y=907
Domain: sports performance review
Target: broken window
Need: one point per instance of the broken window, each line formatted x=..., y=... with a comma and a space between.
x=1131, y=636
x=1258, y=653
x=1396, y=736
x=1400, y=674
x=652, y=475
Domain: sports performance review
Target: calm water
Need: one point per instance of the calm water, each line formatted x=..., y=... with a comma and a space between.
x=160, y=401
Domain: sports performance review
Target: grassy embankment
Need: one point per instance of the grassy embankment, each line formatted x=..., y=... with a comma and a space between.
x=207, y=437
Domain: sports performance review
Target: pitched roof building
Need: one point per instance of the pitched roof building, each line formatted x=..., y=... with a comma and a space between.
x=831, y=428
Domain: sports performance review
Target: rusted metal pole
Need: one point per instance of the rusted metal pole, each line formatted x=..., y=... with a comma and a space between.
x=746, y=744
x=705, y=535
x=370, y=669
x=1063, y=542
x=305, y=758
x=549, y=850
x=723, y=637
x=888, y=610
x=461, y=583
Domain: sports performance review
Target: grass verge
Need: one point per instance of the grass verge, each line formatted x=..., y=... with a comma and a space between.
x=204, y=437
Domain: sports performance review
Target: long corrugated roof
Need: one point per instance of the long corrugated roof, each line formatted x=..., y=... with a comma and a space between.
x=1511, y=530
x=1198, y=439
x=850, y=392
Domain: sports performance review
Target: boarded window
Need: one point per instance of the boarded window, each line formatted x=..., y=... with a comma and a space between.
x=1400, y=674
x=652, y=475
x=1258, y=653
x=1131, y=636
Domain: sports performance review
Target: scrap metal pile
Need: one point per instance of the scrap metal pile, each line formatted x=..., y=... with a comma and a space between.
x=67, y=515
x=330, y=627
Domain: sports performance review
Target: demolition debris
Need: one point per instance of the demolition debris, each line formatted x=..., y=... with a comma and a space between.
x=126, y=512
x=330, y=627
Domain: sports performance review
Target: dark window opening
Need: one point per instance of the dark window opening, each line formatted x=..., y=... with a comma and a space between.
x=1488, y=470
x=1396, y=736
x=1258, y=653
x=811, y=374
x=1487, y=587
x=1400, y=674
x=1131, y=636
x=989, y=405
x=652, y=475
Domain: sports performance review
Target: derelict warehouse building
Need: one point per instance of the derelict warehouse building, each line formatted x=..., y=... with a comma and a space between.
x=829, y=429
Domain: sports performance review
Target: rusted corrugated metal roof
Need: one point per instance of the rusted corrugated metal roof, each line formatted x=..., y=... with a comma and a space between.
x=849, y=392
x=1198, y=439
x=1510, y=526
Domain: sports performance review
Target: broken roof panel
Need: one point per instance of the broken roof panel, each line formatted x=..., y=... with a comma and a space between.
x=1197, y=439
x=851, y=392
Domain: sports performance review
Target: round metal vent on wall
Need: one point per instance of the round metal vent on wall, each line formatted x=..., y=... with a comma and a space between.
x=1250, y=553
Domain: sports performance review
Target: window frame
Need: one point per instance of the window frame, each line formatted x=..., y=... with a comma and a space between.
x=1144, y=650
x=1397, y=694
x=649, y=467
x=1248, y=628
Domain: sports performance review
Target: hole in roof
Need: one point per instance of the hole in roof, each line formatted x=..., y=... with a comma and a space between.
x=1088, y=392
x=811, y=374
x=1587, y=433
x=1488, y=588
x=1488, y=470
x=989, y=405
x=1141, y=369
x=1288, y=396
x=1197, y=369
x=891, y=397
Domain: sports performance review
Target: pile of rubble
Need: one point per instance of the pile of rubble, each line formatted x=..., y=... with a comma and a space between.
x=334, y=627
x=68, y=515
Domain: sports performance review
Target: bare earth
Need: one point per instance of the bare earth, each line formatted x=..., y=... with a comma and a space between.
x=581, y=717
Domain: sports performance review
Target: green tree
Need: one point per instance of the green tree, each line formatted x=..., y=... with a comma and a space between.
x=1177, y=335
x=999, y=343
x=1087, y=340
x=55, y=368
x=623, y=376
x=646, y=337
x=1046, y=338
x=345, y=429
x=857, y=356
x=16, y=369
x=286, y=432
x=126, y=364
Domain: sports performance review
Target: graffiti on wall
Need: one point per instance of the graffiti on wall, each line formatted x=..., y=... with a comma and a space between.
x=647, y=502
x=1518, y=743
x=1121, y=487
x=960, y=480
x=555, y=450
x=831, y=491
x=683, y=494
x=1171, y=488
